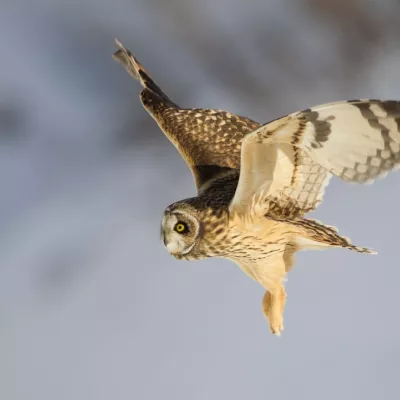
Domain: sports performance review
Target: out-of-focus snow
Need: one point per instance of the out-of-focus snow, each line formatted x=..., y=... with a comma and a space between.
x=91, y=305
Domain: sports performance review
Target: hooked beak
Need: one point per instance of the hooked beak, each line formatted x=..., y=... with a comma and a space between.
x=162, y=232
x=164, y=240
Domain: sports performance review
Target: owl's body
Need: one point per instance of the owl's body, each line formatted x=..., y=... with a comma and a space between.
x=256, y=183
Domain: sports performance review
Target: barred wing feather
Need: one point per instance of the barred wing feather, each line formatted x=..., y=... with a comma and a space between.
x=287, y=163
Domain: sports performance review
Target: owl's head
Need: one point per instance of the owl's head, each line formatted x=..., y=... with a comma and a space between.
x=181, y=230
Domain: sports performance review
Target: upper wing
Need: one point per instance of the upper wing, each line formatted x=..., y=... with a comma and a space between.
x=208, y=140
x=287, y=163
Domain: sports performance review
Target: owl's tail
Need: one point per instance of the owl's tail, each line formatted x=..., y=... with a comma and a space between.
x=315, y=235
x=135, y=69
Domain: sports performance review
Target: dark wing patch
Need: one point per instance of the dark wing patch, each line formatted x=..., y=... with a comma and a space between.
x=357, y=141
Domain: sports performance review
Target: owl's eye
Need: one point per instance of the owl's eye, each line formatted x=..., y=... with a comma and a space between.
x=181, y=227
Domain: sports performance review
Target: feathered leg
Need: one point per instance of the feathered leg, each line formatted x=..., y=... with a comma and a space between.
x=273, y=306
x=275, y=297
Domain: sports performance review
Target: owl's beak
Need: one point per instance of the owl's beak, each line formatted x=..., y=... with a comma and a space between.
x=164, y=239
x=162, y=231
x=162, y=236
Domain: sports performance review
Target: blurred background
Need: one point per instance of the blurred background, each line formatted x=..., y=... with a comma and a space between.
x=92, y=307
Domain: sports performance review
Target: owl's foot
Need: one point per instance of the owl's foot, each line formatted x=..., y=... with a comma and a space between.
x=273, y=305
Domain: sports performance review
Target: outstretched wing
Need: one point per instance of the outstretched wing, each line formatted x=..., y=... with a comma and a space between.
x=286, y=164
x=208, y=140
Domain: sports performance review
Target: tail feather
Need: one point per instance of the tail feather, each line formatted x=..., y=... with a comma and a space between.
x=136, y=70
x=315, y=234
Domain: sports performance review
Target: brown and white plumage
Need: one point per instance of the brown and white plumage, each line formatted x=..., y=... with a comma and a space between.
x=356, y=141
x=208, y=140
x=256, y=182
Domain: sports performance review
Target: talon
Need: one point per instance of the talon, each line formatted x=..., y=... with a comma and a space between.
x=277, y=327
x=273, y=311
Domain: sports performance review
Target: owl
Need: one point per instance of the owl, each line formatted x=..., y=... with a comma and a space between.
x=256, y=182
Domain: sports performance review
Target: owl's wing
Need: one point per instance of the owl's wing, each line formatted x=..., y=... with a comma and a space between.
x=286, y=164
x=137, y=71
x=208, y=140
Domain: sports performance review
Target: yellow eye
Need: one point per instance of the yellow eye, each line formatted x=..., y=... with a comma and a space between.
x=181, y=227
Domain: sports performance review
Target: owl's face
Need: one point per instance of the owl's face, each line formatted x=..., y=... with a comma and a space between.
x=180, y=231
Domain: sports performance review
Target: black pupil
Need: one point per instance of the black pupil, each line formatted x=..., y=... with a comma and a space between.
x=181, y=227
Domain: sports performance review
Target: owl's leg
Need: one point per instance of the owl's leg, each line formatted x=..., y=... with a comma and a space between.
x=275, y=297
x=273, y=305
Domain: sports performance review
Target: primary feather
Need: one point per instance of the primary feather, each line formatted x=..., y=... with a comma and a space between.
x=292, y=158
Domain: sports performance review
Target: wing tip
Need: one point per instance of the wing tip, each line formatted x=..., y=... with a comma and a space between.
x=123, y=56
x=364, y=250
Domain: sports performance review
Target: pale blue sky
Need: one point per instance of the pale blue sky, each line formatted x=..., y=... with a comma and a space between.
x=92, y=307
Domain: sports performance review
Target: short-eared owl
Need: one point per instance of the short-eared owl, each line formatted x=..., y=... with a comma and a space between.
x=255, y=183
